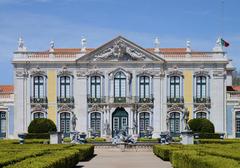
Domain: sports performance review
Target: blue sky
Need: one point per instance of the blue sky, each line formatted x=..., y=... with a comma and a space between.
x=66, y=21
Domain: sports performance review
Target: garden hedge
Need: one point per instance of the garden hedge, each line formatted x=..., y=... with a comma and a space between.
x=42, y=125
x=148, y=140
x=201, y=125
x=194, y=159
x=43, y=156
x=164, y=151
x=37, y=136
x=97, y=139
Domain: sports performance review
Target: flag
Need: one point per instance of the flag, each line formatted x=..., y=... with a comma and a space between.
x=224, y=43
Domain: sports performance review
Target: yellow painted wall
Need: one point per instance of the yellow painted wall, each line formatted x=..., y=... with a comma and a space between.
x=52, y=95
x=188, y=91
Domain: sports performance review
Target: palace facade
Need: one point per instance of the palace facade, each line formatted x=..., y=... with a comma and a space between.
x=120, y=86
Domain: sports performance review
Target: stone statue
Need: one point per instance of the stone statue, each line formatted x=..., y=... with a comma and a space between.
x=157, y=44
x=188, y=44
x=186, y=118
x=74, y=121
x=21, y=46
x=51, y=46
x=83, y=44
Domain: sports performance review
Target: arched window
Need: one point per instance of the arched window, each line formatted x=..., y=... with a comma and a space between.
x=201, y=115
x=96, y=123
x=38, y=91
x=119, y=85
x=174, y=87
x=174, y=123
x=201, y=83
x=237, y=123
x=38, y=115
x=65, y=123
x=144, y=89
x=65, y=87
x=144, y=123
x=95, y=87
x=3, y=125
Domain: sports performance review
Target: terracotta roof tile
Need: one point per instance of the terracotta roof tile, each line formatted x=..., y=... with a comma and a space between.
x=233, y=88
x=6, y=88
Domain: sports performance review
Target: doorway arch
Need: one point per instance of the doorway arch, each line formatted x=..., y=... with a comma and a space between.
x=119, y=121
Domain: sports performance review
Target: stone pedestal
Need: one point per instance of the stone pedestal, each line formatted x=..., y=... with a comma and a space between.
x=187, y=137
x=55, y=137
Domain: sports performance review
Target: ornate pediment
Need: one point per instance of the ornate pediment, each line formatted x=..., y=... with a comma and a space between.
x=201, y=72
x=201, y=107
x=175, y=108
x=38, y=107
x=175, y=72
x=65, y=108
x=65, y=72
x=120, y=49
x=128, y=73
x=144, y=107
x=38, y=71
x=95, y=107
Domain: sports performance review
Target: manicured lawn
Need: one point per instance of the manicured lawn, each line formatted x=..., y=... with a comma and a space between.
x=210, y=154
x=32, y=155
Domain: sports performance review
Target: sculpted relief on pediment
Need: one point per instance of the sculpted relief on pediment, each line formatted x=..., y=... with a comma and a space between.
x=119, y=51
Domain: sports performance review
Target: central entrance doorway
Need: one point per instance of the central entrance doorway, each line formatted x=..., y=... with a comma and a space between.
x=119, y=121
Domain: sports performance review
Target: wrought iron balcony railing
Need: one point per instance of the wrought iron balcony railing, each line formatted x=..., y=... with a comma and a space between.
x=42, y=100
x=206, y=100
x=179, y=100
x=96, y=99
x=149, y=99
x=65, y=100
x=120, y=99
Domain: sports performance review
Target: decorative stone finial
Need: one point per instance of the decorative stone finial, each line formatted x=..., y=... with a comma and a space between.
x=218, y=46
x=157, y=44
x=51, y=46
x=21, y=46
x=83, y=44
x=188, y=44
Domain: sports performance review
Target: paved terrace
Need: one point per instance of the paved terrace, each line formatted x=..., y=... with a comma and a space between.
x=106, y=158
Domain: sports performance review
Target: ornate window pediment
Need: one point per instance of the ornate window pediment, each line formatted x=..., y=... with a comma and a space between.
x=95, y=72
x=38, y=72
x=65, y=72
x=95, y=107
x=202, y=108
x=175, y=108
x=175, y=72
x=144, y=107
x=127, y=73
x=65, y=108
x=38, y=107
x=201, y=72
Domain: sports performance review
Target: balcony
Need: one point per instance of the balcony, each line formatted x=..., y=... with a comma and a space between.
x=34, y=100
x=65, y=100
x=202, y=100
x=146, y=99
x=96, y=100
x=120, y=99
x=177, y=100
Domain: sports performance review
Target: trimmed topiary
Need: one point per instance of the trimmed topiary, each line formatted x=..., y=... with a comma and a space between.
x=42, y=125
x=201, y=125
